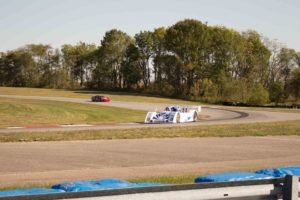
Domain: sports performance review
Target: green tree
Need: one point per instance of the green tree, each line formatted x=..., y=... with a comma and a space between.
x=220, y=51
x=102, y=74
x=112, y=52
x=188, y=41
x=79, y=61
x=2, y=68
x=259, y=95
x=277, y=93
x=145, y=42
x=298, y=59
x=173, y=76
x=294, y=83
x=159, y=51
x=287, y=58
x=17, y=69
x=42, y=55
x=131, y=67
x=257, y=59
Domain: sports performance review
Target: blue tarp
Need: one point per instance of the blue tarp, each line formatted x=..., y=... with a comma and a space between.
x=104, y=184
x=30, y=191
x=281, y=172
x=231, y=176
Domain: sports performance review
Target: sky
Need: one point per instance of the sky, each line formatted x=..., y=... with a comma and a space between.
x=58, y=22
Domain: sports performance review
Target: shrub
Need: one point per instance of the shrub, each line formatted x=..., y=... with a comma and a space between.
x=259, y=95
x=277, y=93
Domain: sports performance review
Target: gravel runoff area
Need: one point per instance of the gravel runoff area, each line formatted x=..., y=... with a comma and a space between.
x=216, y=115
x=53, y=162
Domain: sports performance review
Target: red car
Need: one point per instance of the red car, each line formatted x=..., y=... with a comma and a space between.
x=98, y=98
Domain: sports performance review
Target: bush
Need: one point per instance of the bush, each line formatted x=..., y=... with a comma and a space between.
x=163, y=89
x=277, y=94
x=204, y=90
x=294, y=83
x=259, y=95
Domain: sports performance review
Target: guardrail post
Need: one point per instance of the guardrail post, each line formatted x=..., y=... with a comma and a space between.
x=290, y=189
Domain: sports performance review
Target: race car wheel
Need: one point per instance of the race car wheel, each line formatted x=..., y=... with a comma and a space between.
x=178, y=118
x=195, y=118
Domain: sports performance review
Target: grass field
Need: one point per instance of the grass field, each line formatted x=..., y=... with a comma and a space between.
x=228, y=130
x=266, y=109
x=16, y=112
x=184, y=179
x=117, y=96
x=114, y=96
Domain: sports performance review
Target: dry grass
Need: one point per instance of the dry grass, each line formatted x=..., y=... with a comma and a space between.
x=184, y=179
x=228, y=130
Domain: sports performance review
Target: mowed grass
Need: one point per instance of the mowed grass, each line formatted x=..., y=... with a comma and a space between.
x=114, y=96
x=289, y=110
x=228, y=130
x=16, y=112
x=119, y=96
x=183, y=179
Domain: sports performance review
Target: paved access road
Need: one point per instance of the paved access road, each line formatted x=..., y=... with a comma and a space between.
x=52, y=162
x=217, y=115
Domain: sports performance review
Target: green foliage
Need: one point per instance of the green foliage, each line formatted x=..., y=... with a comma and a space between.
x=259, y=95
x=161, y=88
x=294, y=83
x=189, y=60
x=131, y=67
x=107, y=73
x=145, y=42
x=298, y=58
x=167, y=89
x=14, y=112
x=78, y=60
x=277, y=93
x=187, y=40
x=204, y=90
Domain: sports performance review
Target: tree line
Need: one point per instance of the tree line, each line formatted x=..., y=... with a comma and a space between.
x=189, y=60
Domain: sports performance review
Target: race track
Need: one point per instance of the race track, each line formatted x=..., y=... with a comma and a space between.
x=25, y=163
x=217, y=115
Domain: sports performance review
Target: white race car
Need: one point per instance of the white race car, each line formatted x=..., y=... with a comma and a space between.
x=174, y=114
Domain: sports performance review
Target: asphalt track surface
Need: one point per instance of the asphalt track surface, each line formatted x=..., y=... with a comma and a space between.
x=53, y=162
x=216, y=115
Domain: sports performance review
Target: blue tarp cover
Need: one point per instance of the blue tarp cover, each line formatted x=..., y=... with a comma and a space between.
x=30, y=191
x=281, y=172
x=104, y=184
x=231, y=176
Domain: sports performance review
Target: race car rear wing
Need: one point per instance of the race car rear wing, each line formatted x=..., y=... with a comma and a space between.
x=191, y=108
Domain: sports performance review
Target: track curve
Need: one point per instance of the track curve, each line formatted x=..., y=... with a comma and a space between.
x=217, y=115
x=53, y=162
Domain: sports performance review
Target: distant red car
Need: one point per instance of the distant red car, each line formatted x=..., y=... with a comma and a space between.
x=98, y=98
